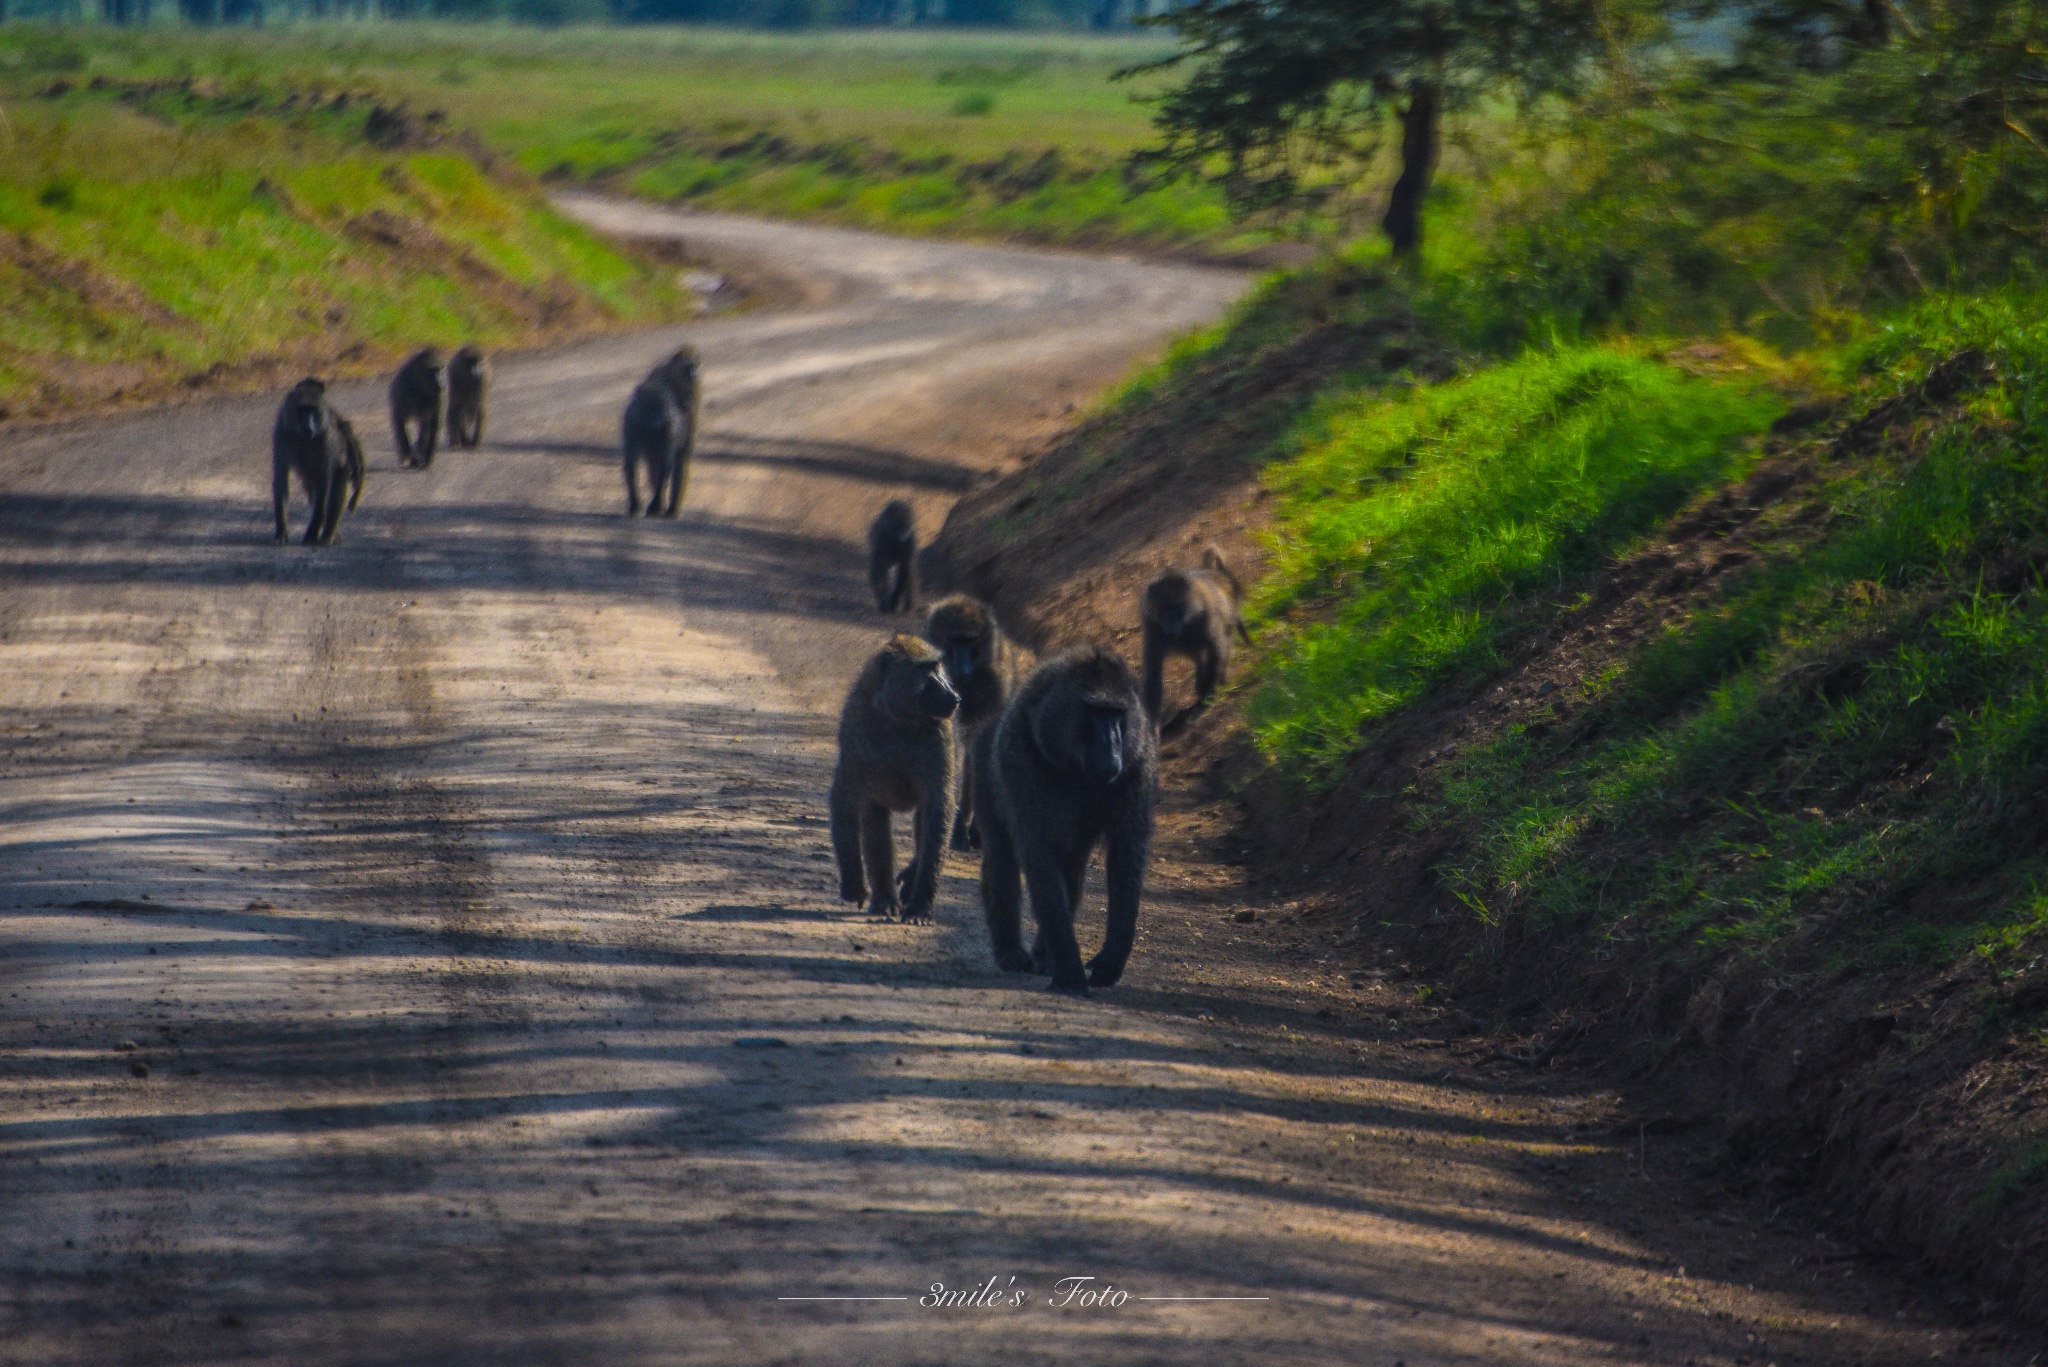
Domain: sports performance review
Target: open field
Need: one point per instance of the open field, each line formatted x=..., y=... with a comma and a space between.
x=979, y=133
x=157, y=237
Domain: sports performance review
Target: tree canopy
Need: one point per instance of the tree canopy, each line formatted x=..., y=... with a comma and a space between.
x=1283, y=98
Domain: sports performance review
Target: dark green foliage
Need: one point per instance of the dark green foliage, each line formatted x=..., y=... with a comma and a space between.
x=1286, y=98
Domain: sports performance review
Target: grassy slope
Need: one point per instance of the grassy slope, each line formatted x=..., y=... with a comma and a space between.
x=1583, y=688
x=992, y=134
x=153, y=237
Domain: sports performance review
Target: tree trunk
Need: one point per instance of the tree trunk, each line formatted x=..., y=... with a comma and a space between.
x=1421, y=137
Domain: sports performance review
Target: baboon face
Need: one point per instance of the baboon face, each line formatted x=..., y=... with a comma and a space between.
x=1101, y=740
x=1086, y=728
x=1169, y=602
x=307, y=417
x=916, y=684
x=964, y=635
x=430, y=358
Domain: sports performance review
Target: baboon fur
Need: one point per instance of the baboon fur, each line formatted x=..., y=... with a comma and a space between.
x=892, y=557
x=983, y=664
x=895, y=755
x=316, y=443
x=1193, y=613
x=659, y=431
x=469, y=381
x=1072, y=764
x=416, y=404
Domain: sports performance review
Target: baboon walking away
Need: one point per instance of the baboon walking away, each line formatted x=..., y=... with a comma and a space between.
x=895, y=755
x=469, y=380
x=1194, y=613
x=892, y=557
x=982, y=663
x=317, y=444
x=659, y=431
x=416, y=407
x=1072, y=764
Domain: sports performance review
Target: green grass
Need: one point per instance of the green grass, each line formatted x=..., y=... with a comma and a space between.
x=1412, y=529
x=1862, y=717
x=150, y=235
x=984, y=134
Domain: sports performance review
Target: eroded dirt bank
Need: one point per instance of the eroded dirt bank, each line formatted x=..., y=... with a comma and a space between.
x=425, y=950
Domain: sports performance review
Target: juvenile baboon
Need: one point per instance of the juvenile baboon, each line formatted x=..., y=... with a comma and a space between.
x=352, y=456
x=659, y=431
x=469, y=377
x=416, y=404
x=313, y=441
x=982, y=664
x=892, y=557
x=1072, y=764
x=1194, y=613
x=895, y=755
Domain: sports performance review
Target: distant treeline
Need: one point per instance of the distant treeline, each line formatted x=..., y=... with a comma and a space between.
x=1097, y=14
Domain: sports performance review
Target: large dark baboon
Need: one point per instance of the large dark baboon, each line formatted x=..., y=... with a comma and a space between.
x=416, y=404
x=1194, y=613
x=659, y=431
x=892, y=557
x=983, y=664
x=895, y=755
x=1073, y=763
x=313, y=441
x=469, y=378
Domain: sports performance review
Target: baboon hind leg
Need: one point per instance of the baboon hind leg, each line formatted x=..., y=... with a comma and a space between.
x=1002, y=899
x=331, y=522
x=1055, y=914
x=317, y=494
x=845, y=821
x=679, y=476
x=1124, y=867
x=878, y=853
x=965, y=836
x=430, y=430
x=1208, y=674
x=632, y=481
x=280, y=495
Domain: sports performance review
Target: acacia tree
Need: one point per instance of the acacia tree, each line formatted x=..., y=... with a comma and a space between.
x=1283, y=97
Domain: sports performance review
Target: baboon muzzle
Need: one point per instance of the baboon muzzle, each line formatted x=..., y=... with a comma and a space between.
x=1104, y=761
x=938, y=698
x=959, y=663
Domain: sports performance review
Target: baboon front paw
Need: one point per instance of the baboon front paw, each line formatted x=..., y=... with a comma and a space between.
x=1068, y=987
x=853, y=892
x=912, y=917
x=1103, y=975
x=1014, y=960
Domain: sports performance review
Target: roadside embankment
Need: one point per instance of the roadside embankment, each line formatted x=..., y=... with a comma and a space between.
x=1673, y=713
x=159, y=238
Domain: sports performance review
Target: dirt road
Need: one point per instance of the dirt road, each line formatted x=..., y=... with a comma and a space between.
x=425, y=950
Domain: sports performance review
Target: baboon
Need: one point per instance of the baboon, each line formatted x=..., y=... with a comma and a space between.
x=352, y=450
x=659, y=431
x=1073, y=763
x=416, y=403
x=1194, y=613
x=892, y=557
x=469, y=376
x=982, y=664
x=312, y=440
x=895, y=755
